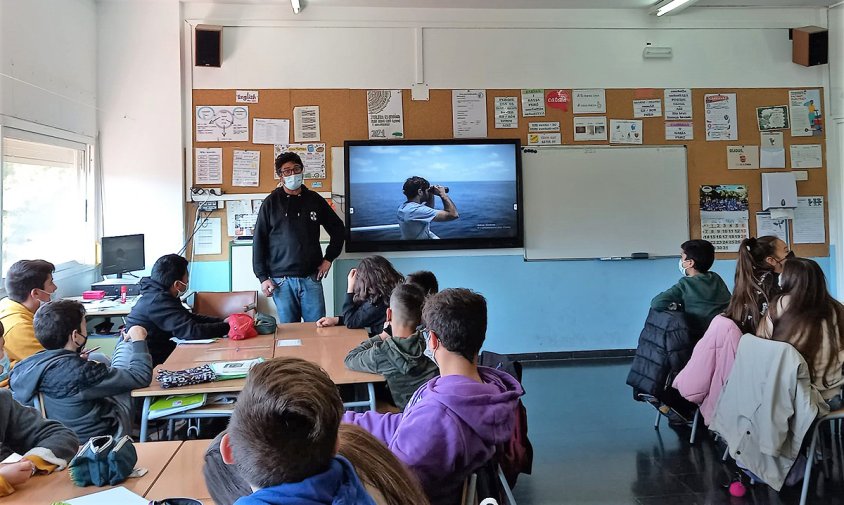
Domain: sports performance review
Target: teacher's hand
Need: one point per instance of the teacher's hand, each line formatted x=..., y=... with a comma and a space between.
x=323, y=269
x=267, y=287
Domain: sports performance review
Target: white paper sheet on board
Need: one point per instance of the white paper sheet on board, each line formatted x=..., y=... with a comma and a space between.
x=533, y=103
x=809, y=226
x=506, y=112
x=270, y=131
x=721, y=116
x=589, y=101
x=246, y=166
x=590, y=128
x=468, y=113
x=647, y=108
x=208, y=239
x=222, y=123
x=806, y=155
x=209, y=165
x=385, y=114
x=306, y=123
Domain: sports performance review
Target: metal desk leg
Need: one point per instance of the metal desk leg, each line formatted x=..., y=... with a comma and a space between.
x=370, y=388
x=145, y=418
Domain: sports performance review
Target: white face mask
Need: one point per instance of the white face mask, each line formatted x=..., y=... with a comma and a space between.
x=294, y=182
x=5, y=367
x=429, y=352
x=682, y=268
x=182, y=292
x=779, y=281
x=52, y=296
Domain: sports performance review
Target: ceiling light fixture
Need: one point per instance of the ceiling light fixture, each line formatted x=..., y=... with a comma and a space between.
x=671, y=6
x=297, y=7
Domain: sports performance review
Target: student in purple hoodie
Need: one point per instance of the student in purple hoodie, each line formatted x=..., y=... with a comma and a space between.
x=452, y=423
x=282, y=438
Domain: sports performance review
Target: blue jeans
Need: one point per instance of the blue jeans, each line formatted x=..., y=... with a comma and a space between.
x=298, y=298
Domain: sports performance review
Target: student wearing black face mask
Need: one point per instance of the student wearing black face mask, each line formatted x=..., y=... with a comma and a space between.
x=161, y=312
x=89, y=397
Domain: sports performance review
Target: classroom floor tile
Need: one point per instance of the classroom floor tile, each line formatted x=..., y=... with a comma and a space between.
x=594, y=445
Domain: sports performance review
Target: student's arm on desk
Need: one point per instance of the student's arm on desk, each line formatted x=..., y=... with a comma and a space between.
x=667, y=297
x=171, y=317
x=25, y=432
x=131, y=368
x=367, y=357
x=381, y=426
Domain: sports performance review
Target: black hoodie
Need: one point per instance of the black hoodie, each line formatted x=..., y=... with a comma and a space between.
x=164, y=316
x=286, y=240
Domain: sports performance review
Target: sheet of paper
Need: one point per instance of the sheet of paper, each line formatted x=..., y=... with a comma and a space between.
x=806, y=155
x=544, y=139
x=625, y=131
x=809, y=227
x=468, y=113
x=589, y=101
x=246, y=96
x=270, y=131
x=772, y=118
x=771, y=152
x=256, y=206
x=246, y=166
x=209, y=165
x=766, y=225
x=111, y=496
x=590, y=128
x=647, y=108
x=724, y=215
x=222, y=123
x=679, y=130
x=781, y=213
x=289, y=342
x=313, y=158
x=180, y=341
x=805, y=112
x=678, y=103
x=544, y=126
x=240, y=218
x=721, y=117
x=208, y=239
x=385, y=114
x=306, y=123
x=742, y=157
x=533, y=102
x=506, y=112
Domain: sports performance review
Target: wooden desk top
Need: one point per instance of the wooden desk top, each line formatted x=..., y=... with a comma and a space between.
x=57, y=486
x=310, y=330
x=182, y=478
x=223, y=349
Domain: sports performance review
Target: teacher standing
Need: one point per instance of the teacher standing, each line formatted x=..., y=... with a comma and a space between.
x=286, y=256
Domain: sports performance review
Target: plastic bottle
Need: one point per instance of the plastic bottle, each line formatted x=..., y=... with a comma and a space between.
x=123, y=291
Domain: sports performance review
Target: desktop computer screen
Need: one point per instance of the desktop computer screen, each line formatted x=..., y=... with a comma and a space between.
x=123, y=254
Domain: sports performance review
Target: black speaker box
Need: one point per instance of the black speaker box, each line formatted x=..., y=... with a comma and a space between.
x=208, y=46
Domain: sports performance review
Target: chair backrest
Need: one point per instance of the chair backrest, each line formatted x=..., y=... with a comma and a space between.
x=38, y=403
x=208, y=303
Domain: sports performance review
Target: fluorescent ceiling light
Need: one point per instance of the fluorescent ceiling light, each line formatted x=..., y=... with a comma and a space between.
x=297, y=8
x=667, y=6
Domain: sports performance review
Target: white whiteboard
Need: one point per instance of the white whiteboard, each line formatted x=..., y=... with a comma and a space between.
x=598, y=202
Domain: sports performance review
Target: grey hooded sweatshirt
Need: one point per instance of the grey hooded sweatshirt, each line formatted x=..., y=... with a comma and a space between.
x=24, y=431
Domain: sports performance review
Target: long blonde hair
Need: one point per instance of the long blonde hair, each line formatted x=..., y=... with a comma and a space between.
x=379, y=468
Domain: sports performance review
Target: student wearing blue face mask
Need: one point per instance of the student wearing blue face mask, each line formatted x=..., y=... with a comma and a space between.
x=701, y=294
x=286, y=256
x=161, y=312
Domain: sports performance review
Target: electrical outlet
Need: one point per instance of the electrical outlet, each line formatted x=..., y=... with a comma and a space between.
x=208, y=206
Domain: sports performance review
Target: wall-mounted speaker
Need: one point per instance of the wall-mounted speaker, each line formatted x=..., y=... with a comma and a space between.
x=208, y=46
x=810, y=46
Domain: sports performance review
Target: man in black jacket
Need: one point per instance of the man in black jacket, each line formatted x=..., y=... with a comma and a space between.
x=286, y=256
x=161, y=312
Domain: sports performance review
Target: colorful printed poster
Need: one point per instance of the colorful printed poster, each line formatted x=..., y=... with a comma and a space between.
x=558, y=99
x=625, y=131
x=724, y=219
x=806, y=114
x=313, y=158
x=721, y=116
x=678, y=103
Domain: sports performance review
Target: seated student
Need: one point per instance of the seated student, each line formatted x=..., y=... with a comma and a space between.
x=90, y=398
x=701, y=293
x=367, y=295
x=386, y=479
x=425, y=280
x=452, y=424
x=282, y=438
x=760, y=262
x=45, y=445
x=161, y=312
x=400, y=358
x=5, y=363
x=809, y=318
x=29, y=283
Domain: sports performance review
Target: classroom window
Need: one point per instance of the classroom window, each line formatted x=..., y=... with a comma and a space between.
x=46, y=201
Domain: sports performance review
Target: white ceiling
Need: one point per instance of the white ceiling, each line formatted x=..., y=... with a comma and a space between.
x=535, y=4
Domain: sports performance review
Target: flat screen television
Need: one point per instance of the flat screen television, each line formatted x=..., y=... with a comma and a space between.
x=123, y=254
x=433, y=194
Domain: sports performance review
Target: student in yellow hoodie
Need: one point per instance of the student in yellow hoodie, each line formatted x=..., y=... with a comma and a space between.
x=29, y=283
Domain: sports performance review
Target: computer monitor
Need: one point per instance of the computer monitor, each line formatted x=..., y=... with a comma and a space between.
x=123, y=254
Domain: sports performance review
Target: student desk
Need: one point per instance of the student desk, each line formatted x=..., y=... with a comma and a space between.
x=57, y=486
x=327, y=347
x=182, y=478
x=106, y=308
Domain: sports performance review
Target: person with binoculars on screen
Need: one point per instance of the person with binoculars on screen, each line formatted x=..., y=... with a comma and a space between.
x=416, y=214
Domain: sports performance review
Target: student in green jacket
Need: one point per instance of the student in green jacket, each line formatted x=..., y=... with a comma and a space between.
x=400, y=358
x=701, y=294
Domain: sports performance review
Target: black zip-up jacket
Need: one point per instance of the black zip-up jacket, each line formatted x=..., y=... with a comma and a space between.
x=164, y=316
x=286, y=240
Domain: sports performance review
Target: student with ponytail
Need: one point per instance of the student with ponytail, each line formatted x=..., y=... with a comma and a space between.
x=807, y=317
x=760, y=261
